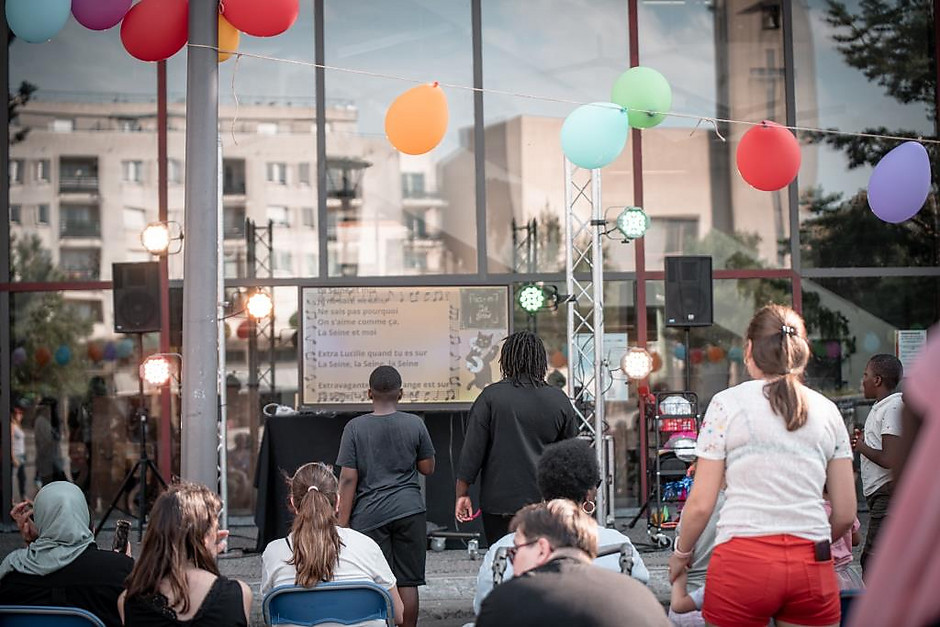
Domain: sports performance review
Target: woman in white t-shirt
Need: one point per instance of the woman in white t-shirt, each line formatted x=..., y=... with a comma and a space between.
x=317, y=549
x=777, y=444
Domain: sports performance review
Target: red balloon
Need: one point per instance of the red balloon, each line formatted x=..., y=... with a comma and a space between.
x=243, y=330
x=265, y=18
x=95, y=352
x=768, y=156
x=43, y=356
x=697, y=355
x=657, y=361
x=154, y=30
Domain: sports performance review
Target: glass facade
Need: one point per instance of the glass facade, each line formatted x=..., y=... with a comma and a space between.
x=312, y=194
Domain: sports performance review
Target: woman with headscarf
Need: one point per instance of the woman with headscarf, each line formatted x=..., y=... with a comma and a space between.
x=61, y=565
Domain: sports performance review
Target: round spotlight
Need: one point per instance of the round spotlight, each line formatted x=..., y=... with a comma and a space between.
x=259, y=305
x=531, y=298
x=633, y=222
x=636, y=363
x=156, y=370
x=156, y=238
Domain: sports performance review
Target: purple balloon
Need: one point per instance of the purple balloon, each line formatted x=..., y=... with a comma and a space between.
x=900, y=183
x=19, y=356
x=100, y=14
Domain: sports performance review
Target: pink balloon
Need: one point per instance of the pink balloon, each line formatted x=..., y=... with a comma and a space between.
x=100, y=14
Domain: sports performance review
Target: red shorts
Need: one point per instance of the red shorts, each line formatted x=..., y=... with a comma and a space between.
x=751, y=580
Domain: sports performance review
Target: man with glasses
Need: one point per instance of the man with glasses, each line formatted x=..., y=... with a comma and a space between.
x=555, y=581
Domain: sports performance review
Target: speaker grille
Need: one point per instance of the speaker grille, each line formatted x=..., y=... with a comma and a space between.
x=689, y=291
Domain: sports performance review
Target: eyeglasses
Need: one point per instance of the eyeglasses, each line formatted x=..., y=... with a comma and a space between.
x=511, y=551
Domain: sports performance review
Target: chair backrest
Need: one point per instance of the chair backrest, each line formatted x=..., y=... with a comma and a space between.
x=346, y=602
x=47, y=616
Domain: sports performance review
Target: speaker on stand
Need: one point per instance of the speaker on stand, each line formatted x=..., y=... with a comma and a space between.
x=136, y=297
x=689, y=299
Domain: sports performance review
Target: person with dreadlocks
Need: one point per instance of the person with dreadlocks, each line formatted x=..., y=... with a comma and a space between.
x=511, y=423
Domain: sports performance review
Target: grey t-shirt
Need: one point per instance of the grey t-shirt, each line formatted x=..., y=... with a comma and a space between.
x=384, y=450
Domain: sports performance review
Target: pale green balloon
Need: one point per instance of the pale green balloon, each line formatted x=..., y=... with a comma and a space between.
x=642, y=89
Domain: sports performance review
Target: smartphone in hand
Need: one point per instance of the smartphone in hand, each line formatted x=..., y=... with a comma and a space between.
x=121, y=533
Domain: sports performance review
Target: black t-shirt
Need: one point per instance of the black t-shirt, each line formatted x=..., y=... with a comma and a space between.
x=509, y=428
x=385, y=450
x=565, y=592
x=224, y=606
x=93, y=582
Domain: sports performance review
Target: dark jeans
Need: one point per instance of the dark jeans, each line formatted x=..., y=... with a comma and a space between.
x=878, y=503
x=495, y=526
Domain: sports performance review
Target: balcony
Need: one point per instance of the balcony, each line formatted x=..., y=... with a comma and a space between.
x=78, y=184
x=79, y=228
x=81, y=274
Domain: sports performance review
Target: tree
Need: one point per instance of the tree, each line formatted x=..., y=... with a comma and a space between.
x=44, y=320
x=18, y=100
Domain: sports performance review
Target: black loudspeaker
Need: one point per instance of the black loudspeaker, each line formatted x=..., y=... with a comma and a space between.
x=136, y=297
x=689, y=292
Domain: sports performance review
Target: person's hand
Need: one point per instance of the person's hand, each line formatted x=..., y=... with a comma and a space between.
x=463, y=510
x=857, y=439
x=221, y=541
x=22, y=514
x=678, y=565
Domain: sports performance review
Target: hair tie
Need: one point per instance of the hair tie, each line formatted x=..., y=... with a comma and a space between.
x=313, y=487
x=786, y=329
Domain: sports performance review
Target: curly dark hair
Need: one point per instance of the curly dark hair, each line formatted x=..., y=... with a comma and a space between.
x=523, y=360
x=568, y=470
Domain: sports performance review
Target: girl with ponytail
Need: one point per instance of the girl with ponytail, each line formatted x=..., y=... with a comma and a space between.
x=317, y=549
x=777, y=443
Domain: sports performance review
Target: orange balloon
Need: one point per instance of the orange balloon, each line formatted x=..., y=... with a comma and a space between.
x=558, y=360
x=43, y=355
x=657, y=361
x=228, y=38
x=95, y=352
x=715, y=353
x=417, y=120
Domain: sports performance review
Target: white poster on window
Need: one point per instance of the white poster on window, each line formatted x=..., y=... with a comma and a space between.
x=907, y=344
x=614, y=383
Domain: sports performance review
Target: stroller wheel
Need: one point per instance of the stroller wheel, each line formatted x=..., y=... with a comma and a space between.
x=661, y=540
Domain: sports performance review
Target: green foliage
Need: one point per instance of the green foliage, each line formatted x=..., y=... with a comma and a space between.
x=18, y=100
x=44, y=319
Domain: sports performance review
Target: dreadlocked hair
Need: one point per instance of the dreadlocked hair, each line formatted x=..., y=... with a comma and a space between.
x=779, y=348
x=523, y=360
x=316, y=543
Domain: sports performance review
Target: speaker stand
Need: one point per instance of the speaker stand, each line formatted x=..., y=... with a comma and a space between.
x=688, y=359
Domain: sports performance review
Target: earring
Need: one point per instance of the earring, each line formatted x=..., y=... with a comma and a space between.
x=588, y=507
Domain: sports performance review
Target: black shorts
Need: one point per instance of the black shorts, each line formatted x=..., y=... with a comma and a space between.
x=404, y=542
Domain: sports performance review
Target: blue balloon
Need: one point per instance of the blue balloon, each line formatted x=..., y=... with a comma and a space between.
x=594, y=135
x=900, y=183
x=679, y=351
x=736, y=354
x=871, y=343
x=125, y=348
x=36, y=21
x=63, y=355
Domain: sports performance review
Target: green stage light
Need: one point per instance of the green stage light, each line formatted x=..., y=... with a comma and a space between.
x=531, y=298
x=633, y=222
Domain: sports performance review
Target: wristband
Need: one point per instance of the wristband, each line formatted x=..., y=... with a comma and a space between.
x=678, y=553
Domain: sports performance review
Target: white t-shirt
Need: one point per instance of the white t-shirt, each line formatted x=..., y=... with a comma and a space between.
x=360, y=558
x=883, y=419
x=775, y=477
x=606, y=537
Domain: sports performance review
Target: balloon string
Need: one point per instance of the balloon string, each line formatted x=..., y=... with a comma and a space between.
x=235, y=96
x=501, y=92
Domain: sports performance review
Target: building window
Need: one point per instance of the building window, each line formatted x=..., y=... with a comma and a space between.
x=279, y=215
x=309, y=216
x=42, y=214
x=88, y=310
x=128, y=125
x=233, y=221
x=15, y=216
x=133, y=171
x=412, y=185
x=303, y=173
x=277, y=173
x=42, y=171
x=233, y=177
x=283, y=261
x=78, y=175
x=81, y=264
x=16, y=171
x=63, y=126
x=267, y=128
x=312, y=267
x=135, y=219
x=174, y=171
x=79, y=221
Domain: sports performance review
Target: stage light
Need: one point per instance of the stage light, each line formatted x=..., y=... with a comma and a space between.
x=636, y=363
x=531, y=298
x=156, y=370
x=259, y=305
x=156, y=238
x=633, y=222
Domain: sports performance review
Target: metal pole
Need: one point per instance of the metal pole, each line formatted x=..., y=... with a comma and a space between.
x=200, y=259
x=165, y=429
x=600, y=359
x=223, y=392
x=569, y=282
x=6, y=457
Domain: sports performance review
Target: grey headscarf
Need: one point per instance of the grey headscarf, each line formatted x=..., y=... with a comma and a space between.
x=61, y=517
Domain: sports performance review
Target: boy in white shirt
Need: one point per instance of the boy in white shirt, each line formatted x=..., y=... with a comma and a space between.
x=879, y=444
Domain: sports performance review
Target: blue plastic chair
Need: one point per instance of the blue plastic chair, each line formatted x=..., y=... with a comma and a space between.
x=46, y=616
x=847, y=599
x=345, y=602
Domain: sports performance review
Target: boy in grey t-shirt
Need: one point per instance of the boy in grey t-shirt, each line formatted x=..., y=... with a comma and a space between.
x=381, y=455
